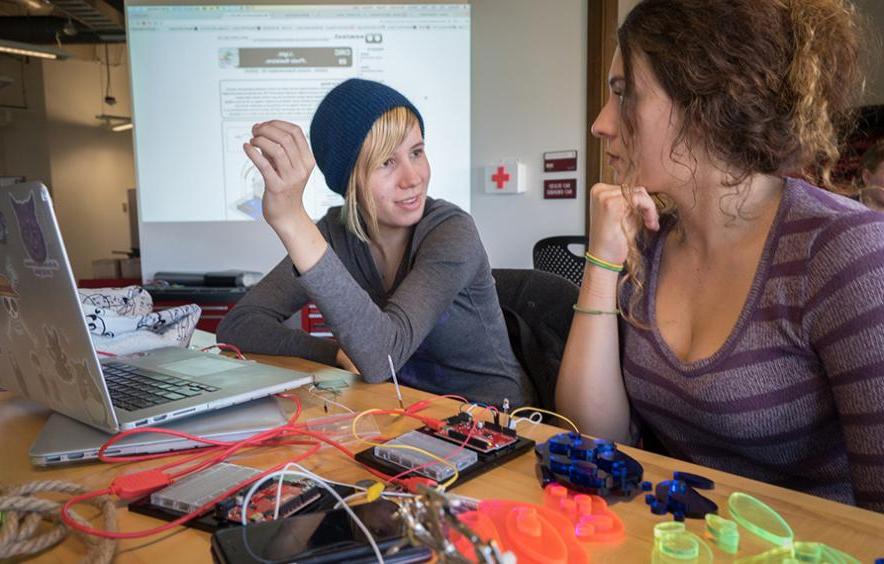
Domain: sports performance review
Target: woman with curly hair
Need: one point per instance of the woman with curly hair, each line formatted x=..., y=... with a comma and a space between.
x=729, y=308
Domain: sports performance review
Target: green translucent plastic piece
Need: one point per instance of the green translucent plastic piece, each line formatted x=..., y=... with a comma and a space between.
x=760, y=519
x=801, y=553
x=835, y=556
x=778, y=555
x=665, y=527
x=723, y=532
x=673, y=544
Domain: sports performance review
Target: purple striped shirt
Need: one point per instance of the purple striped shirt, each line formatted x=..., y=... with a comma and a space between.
x=795, y=395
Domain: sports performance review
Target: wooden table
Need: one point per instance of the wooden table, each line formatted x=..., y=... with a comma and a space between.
x=855, y=531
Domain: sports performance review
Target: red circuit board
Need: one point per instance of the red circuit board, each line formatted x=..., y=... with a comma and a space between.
x=293, y=498
x=487, y=437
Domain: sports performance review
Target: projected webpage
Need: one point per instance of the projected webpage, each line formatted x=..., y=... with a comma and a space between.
x=203, y=75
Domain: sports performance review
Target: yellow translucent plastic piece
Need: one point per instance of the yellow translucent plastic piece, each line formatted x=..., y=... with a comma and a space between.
x=723, y=533
x=760, y=519
x=673, y=544
x=803, y=553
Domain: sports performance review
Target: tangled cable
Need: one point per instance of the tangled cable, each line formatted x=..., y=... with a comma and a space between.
x=23, y=514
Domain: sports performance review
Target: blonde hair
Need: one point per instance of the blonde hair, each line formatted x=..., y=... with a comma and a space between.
x=359, y=214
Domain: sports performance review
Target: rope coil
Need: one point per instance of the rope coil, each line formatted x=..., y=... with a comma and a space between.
x=23, y=514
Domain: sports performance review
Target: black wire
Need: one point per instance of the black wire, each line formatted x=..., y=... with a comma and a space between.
x=107, y=90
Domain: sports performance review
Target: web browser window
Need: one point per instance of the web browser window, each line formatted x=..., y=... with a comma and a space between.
x=203, y=75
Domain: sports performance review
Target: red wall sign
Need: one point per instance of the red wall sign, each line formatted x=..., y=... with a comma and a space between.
x=559, y=161
x=560, y=188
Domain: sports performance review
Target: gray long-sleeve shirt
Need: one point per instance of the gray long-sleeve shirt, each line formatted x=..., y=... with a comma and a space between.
x=441, y=323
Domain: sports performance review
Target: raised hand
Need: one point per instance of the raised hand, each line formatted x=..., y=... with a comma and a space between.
x=280, y=152
x=613, y=223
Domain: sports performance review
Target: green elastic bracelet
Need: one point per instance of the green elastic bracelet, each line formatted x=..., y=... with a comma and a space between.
x=603, y=263
x=579, y=309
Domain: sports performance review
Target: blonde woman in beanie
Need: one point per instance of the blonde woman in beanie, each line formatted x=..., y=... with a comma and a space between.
x=393, y=271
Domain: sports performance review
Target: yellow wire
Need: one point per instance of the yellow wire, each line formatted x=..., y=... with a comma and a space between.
x=553, y=413
x=448, y=463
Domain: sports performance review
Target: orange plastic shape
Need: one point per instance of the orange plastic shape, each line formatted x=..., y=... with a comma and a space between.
x=534, y=534
x=590, y=516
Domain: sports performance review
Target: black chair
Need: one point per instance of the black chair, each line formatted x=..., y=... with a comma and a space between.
x=554, y=255
x=537, y=307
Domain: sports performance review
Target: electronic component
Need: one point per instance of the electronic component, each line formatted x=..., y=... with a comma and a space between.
x=590, y=466
x=194, y=491
x=294, y=495
x=408, y=459
x=483, y=461
x=486, y=437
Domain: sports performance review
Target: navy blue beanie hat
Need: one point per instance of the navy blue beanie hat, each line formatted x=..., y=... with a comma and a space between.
x=343, y=120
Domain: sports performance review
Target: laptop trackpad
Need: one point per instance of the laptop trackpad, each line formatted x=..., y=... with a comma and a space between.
x=203, y=366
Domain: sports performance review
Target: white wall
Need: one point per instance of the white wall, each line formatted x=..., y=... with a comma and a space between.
x=58, y=141
x=623, y=8
x=91, y=166
x=23, y=147
x=528, y=97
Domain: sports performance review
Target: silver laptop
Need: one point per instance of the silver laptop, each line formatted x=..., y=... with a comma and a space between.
x=64, y=440
x=46, y=352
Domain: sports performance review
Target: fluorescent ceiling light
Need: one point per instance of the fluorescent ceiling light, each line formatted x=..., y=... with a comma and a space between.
x=116, y=123
x=30, y=50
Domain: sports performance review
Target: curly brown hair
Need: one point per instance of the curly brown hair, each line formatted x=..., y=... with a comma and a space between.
x=760, y=85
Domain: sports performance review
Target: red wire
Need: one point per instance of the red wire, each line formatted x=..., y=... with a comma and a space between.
x=460, y=447
x=70, y=522
x=217, y=451
x=226, y=347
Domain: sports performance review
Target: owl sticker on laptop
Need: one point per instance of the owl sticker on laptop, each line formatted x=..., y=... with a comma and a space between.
x=32, y=238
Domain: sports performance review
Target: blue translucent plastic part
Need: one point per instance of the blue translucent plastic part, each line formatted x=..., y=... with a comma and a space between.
x=682, y=500
x=694, y=480
x=592, y=466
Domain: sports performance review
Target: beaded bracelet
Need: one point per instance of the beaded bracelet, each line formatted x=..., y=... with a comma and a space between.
x=601, y=263
x=579, y=309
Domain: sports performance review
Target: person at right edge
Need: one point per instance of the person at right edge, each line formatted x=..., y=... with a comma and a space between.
x=731, y=305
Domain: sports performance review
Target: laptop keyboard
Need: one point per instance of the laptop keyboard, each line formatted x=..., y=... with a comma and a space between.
x=132, y=388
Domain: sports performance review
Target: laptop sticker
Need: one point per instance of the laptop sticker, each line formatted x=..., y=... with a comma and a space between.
x=32, y=238
x=9, y=296
x=50, y=394
x=91, y=396
x=19, y=376
x=63, y=366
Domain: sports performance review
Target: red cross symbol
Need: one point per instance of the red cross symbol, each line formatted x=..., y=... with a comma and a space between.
x=501, y=177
